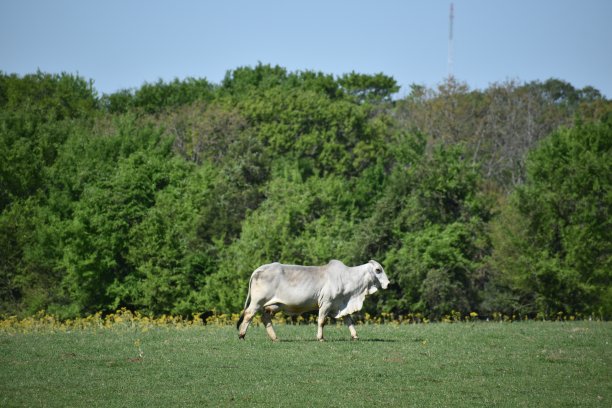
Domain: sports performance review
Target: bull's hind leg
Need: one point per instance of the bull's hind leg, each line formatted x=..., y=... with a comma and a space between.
x=249, y=312
x=267, y=320
x=349, y=322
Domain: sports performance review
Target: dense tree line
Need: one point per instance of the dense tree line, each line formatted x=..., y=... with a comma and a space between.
x=163, y=199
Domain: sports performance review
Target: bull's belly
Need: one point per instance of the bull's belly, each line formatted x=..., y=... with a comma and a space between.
x=296, y=309
x=292, y=303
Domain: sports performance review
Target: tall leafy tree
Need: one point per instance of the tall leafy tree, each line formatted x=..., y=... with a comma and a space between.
x=37, y=113
x=429, y=228
x=557, y=253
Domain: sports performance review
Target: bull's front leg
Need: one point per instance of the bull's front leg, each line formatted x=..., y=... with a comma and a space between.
x=349, y=322
x=323, y=310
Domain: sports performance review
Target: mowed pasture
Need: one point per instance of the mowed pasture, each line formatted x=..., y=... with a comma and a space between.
x=521, y=364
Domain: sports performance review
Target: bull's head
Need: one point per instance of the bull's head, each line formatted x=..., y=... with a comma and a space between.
x=380, y=278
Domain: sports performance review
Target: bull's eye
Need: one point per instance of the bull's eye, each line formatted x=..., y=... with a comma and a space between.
x=378, y=270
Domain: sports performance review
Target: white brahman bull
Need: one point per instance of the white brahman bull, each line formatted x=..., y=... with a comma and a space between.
x=333, y=288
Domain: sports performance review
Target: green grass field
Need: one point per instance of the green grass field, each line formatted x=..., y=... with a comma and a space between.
x=524, y=364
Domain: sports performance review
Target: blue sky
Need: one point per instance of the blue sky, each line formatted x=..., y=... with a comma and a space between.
x=122, y=44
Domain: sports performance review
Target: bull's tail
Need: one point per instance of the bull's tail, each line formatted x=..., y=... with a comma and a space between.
x=240, y=320
x=246, y=303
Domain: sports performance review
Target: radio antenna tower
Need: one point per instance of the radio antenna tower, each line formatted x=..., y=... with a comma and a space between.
x=450, y=40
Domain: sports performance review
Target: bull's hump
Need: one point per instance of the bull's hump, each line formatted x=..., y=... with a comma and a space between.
x=335, y=262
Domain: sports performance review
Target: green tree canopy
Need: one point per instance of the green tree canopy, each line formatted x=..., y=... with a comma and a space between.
x=164, y=198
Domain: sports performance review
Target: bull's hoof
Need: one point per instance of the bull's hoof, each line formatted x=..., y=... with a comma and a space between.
x=354, y=338
x=321, y=339
x=241, y=337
